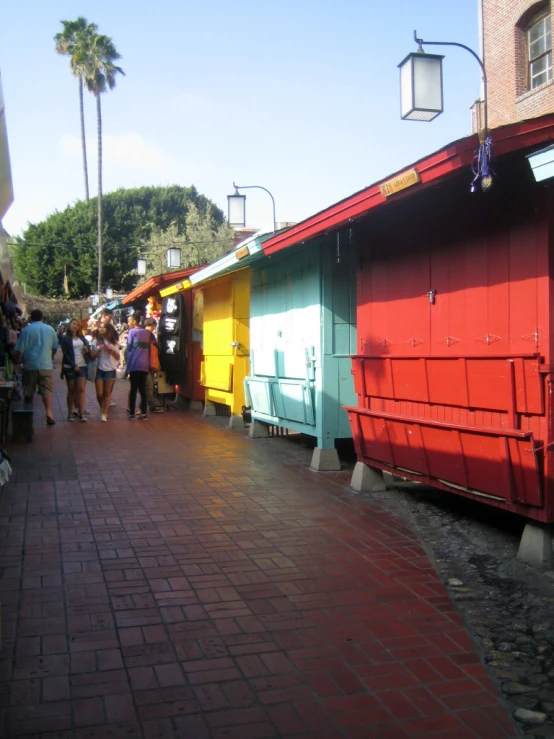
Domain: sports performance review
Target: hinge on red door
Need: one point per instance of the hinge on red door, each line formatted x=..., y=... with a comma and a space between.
x=384, y=342
x=489, y=339
x=532, y=337
x=414, y=342
x=449, y=340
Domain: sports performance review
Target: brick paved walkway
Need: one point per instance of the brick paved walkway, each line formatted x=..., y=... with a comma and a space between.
x=172, y=578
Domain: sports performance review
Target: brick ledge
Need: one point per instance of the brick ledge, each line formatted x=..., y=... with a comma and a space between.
x=535, y=91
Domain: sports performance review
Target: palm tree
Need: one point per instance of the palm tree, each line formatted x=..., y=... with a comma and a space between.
x=98, y=60
x=72, y=41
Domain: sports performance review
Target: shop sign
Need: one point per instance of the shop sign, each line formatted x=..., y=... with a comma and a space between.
x=400, y=182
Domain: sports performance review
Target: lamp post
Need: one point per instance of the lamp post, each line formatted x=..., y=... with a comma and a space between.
x=172, y=257
x=421, y=98
x=237, y=205
x=109, y=293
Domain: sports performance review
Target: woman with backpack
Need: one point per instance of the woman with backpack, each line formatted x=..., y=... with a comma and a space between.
x=138, y=366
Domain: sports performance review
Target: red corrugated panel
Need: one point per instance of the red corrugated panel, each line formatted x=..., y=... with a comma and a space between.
x=473, y=460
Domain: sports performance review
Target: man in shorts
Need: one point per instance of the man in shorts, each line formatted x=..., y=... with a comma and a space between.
x=36, y=347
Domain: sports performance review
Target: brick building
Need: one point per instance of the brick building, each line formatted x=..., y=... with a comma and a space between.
x=517, y=47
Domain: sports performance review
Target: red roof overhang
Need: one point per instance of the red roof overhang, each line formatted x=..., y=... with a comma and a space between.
x=440, y=165
x=156, y=283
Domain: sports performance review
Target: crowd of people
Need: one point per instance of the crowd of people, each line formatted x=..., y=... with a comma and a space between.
x=97, y=354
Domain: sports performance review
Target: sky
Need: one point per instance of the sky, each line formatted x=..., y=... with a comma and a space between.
x=298, y=96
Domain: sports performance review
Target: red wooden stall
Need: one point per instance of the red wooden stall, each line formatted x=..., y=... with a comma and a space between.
x=455, y=369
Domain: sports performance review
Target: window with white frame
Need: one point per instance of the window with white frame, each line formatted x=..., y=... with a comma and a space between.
x=539, y=43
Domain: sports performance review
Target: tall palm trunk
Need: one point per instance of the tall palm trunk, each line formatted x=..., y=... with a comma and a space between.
x=100, y=224
x=83, y=140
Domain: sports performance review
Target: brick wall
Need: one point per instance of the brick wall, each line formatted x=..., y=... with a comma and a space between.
x=509, y=97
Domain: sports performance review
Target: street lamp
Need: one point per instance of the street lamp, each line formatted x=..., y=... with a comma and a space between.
x=421, y=99
x=237, y=205
x=173, y=256
x=421, y=86
x=173, y=261
x=109, y=293
x=95, y=299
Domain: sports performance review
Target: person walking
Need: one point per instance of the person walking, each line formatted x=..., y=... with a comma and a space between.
x=138, y=366
x=106, y=318
x=76, y=352
x=104, y=346
x=35, y=348
x=150, y=325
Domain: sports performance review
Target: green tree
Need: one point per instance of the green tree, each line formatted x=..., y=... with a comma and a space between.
x=73, y=41
x=98, y=59
x=130, y=217
x=203, y=241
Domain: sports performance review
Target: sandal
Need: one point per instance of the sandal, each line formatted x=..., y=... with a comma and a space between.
x=50, y=421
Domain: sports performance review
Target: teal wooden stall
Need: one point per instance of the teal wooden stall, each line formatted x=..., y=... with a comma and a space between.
x=302, y=335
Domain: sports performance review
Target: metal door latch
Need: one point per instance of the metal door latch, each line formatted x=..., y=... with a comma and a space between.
x=431, y=295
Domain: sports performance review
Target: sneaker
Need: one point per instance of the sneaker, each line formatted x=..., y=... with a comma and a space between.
x=131, y=416
x=82, y=419
x=157, y=409
x=70, y=418
x=75, y=414
x=50, y=421
x=104, y=417
x=143, y=417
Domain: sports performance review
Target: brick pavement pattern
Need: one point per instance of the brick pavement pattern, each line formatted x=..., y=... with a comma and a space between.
x=172, y=578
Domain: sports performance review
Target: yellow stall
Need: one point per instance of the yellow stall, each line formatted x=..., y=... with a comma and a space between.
x=226, y=335
x=225, y=287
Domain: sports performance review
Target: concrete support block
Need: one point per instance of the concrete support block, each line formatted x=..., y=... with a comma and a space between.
x=325, y=460
x=258, y=430
x=388, y=479
x=236, y=422
x=535, y=547
x=367, y=479
x=209, y=409
x=196, y=405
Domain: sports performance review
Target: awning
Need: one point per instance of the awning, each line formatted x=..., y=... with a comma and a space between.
x=431, y=170
x=243, y=255
x=110, y=305
x=177, y=287
x=155, y=284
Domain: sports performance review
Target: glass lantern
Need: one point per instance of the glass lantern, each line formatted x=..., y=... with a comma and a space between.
x=421, y=86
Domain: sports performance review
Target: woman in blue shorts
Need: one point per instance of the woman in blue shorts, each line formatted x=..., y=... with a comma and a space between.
x=105, y=347
x=76, y=352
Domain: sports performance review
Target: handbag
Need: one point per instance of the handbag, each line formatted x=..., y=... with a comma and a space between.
x=92, y=369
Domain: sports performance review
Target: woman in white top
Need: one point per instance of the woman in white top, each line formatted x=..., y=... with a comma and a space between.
x=105, y=347
x=76, y=351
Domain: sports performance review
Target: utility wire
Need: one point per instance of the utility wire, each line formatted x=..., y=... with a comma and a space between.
x=116, y=246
